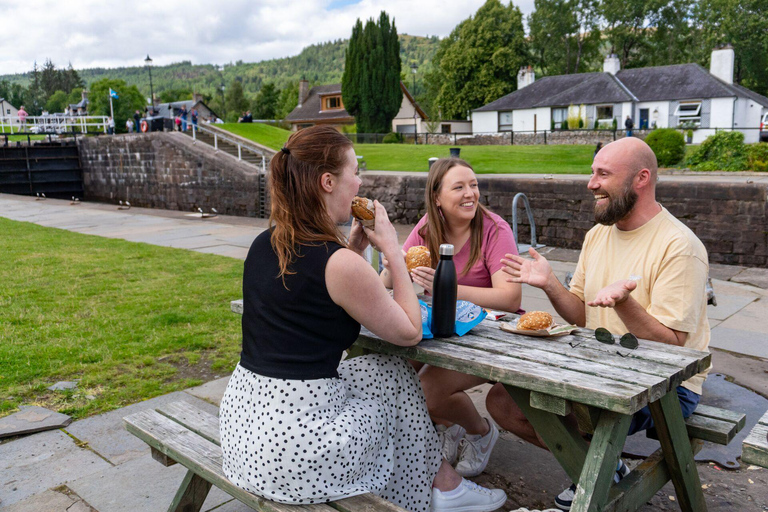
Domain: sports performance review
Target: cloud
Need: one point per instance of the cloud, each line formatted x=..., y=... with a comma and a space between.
x=94, y=33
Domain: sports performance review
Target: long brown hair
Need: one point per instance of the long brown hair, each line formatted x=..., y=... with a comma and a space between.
x=433, y=232
x=298, y=214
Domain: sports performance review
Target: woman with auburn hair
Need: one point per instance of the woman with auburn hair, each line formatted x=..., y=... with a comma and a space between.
x=481, y=239
x=298, y=425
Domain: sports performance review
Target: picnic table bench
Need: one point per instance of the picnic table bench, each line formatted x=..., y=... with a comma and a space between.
x=179, y=432
x=603, y=385
x=755, y=447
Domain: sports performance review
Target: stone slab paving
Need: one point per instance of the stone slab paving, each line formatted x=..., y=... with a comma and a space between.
x=211, y=391
x=48, y=501
x=32, y=464
x=31, y=419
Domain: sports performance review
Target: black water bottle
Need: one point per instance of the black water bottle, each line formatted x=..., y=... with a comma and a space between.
x=444, y=291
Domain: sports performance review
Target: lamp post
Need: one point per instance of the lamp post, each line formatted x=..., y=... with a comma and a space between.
x=148, y=63
x=414, y=67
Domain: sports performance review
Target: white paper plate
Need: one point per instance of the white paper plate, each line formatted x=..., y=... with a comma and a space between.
x=554, y=331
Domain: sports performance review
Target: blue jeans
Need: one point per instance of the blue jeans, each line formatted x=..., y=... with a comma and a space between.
x=642, y=419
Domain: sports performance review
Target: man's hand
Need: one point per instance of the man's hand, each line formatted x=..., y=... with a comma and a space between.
x=613, y=294
x=534, y=272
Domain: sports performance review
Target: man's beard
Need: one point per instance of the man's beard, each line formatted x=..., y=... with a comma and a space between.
x=617, y=208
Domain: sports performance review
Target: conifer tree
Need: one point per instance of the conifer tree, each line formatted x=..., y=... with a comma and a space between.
x=371, y=80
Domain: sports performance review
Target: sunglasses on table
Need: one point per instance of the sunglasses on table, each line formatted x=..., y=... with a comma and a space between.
x=605, y=336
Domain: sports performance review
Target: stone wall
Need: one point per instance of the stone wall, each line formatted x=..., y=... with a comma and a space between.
x=730, y=219
x=590, y=137
x=167, y=170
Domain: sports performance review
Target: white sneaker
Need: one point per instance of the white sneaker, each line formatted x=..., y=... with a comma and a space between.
x=475, y=451
x=468, y=497
x=449, y=440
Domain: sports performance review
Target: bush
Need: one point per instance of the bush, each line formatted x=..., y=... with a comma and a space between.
x=668, y=144
x=757, y=157
x=392, y=138
x=724, y=151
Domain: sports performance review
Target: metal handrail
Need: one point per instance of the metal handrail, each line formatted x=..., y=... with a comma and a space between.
x=240, y=146
x=529, y=212
x=55, y=124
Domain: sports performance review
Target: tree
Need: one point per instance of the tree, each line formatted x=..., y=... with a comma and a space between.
x=371, y=81
x=266, y=102
x=289, y=98
x=235, y=101
x=171, y=95
x=478, y=62
x=130, y=99
x=57, y=102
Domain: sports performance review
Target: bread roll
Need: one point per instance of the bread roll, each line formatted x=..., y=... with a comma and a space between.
x=363, y=210
x=417, y=256
x=535, y=320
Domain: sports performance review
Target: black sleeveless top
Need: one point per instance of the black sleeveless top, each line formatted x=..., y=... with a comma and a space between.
x=294, y=333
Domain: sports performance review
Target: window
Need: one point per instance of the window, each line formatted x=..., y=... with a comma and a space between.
x=689, y=112
x=333, y=102
x=560, y=118
x=445, y=128
x=505, y=121
x=604, y=114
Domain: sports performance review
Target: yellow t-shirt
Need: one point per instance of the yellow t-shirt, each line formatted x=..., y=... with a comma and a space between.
x=669, y=264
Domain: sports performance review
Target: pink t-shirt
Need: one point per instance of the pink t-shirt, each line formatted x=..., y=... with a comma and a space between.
x=497, y=241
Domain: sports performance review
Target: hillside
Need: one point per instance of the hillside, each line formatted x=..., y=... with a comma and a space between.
x=319, y=63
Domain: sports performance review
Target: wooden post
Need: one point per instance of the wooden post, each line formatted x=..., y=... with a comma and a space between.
x=191, y=494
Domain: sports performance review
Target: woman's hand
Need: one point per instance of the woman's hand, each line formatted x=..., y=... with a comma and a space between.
x=384, y=236
x=358, y=240
x=424, y=277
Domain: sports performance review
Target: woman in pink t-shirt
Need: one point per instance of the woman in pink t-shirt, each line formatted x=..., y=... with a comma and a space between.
x=481, y=239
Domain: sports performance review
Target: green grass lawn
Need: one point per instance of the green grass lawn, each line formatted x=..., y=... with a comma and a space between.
x=131, y=321
x=264, y=134
x=554, y=159
x=14, y=138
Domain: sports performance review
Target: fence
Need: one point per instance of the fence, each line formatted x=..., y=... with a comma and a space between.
x=538, y=137
x=53, y=124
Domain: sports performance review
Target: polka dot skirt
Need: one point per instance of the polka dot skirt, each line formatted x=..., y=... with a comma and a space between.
x=313, y=441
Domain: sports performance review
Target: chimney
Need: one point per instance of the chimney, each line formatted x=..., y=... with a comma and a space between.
x=84, y=94
x=721, y=63
x=197, y=97
x=303, y=91
x=612, y=64
x=525, y=77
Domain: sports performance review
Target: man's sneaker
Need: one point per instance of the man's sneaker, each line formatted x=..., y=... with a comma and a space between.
x=475, y=451
x=467, y=497
x=449, y=440
x=564, y=500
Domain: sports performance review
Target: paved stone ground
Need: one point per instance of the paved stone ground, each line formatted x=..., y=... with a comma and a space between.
x=94, y=464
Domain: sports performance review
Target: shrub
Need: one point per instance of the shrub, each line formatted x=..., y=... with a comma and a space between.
x=757, y=157
x=668, y=144
x=392, y=138
x=573, y=117
x=724, y=151
x=615, y=124
x=581, y=123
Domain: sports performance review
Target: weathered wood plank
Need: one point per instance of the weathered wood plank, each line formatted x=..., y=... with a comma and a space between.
x=191, y=494
x=710, y=429
x=565, y=443
x=162, y=458
x=564, y=359
x=603, y=393
x=193, y=418
x=764, y=419
x=586, y=417
x=600, y=465
x=755, y=447
x=201, y=456
x=642, y=483
x=365, y=503
x=707, y=411
x=673, y=437
x=550, y=403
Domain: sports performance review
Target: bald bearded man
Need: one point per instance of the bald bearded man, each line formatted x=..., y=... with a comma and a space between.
x=640, y=270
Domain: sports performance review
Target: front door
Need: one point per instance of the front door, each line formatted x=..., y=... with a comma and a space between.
x=643, y=119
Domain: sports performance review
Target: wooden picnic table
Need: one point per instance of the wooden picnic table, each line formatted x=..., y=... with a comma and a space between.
x=602, y=384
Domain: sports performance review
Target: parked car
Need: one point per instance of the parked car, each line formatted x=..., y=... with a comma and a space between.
x=764, y=128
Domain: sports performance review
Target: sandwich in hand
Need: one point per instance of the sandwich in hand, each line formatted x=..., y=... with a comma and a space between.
x=417, y=256
x=363, y=211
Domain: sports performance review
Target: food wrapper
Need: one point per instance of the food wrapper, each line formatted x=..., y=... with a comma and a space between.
x=468, y=315
x=555, y=330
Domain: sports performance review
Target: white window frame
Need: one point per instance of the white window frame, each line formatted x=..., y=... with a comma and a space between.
x=506, y=127
x=686, y=116
x=604, y=120
x=563, y=123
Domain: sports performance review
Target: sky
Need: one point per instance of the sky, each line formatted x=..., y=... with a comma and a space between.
x=115, y=33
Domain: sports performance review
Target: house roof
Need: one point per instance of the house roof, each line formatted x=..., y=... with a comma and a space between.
x=311, y=109
x=164, y=109
x=678, y=82
x=416, y=106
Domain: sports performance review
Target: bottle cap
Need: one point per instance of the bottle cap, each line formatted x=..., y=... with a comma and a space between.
x=446, y=250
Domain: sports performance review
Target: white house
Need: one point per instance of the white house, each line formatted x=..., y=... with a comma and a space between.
x=662, y=97
x=411, y=118
x=8, y=111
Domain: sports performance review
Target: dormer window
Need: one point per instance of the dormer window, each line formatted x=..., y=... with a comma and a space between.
x=332, y=103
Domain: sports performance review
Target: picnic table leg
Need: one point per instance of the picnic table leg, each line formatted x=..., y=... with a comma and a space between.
x=673, y=437
x=566, y=444
x=600, y=466
x=191, y=494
